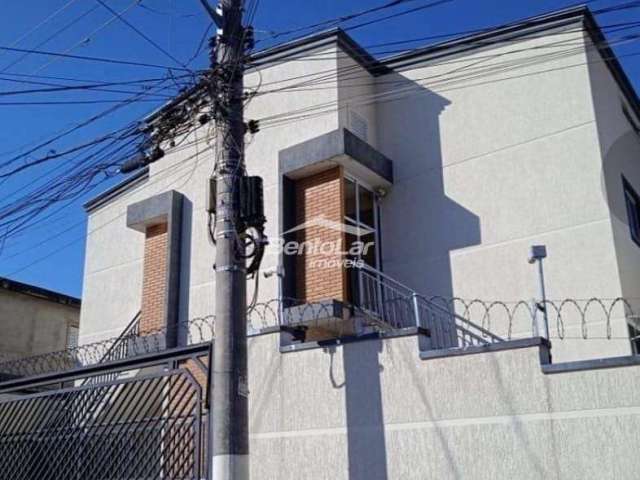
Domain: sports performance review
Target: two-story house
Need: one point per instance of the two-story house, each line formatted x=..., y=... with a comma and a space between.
x=448, y=161
x=402, y=197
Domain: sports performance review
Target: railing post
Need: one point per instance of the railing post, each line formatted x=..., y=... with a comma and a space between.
x=380, y=295
x=280, y=273
x=360, y=298
x=534, y=312
x=416, y=308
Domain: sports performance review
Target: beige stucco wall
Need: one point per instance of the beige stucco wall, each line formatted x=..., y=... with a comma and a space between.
x=357, y=95
x=505, y=156
x=113, y=265
x=372, y=410
x=620, y=152
x=32, y=325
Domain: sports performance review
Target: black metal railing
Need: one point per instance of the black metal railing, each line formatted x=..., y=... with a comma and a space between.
x=127, y=345
x=389, y=304
x=119, y=349
x=145, y=428
x=386, y=305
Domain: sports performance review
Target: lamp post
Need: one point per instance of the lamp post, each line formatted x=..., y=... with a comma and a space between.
x=536, y=255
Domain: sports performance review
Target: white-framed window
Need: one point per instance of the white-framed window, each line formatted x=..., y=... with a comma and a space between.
x=632, y=202
x=361, y=213
x=634, y=336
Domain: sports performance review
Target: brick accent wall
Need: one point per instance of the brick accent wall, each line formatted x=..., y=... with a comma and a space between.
x=154, y=279
x=196, y=371
x=320, y=195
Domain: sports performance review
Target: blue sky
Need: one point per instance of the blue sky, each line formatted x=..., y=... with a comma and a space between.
x=51, y=253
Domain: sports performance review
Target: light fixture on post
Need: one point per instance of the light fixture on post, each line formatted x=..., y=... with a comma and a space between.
x=538, y=253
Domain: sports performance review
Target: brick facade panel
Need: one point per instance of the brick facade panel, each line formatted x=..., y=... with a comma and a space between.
x=154, y=279
x=320, y=275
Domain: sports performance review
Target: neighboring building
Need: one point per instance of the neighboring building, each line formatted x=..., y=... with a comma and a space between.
x=35, y=320
x=462, y=155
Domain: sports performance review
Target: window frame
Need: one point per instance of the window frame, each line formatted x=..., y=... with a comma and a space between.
x=634, y=338
x=356, y=221
x=631, y=196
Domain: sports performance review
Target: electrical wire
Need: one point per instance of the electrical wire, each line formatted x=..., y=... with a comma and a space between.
x=337, y=20
x=85, y=180
x=491, y=69
x=203, y=39
x=93, y=87
x=43, y=22
x=85, y=40
x=92, y=59
x=486, y=71
x=91, y=80
x=334, y=22
x=101, y=115
x=43, y=223
x=74, y=102
x=36, y=198
x=157, y=179
x=56, y=34
x=140, y=33
x=72, y=183
x=158, y=12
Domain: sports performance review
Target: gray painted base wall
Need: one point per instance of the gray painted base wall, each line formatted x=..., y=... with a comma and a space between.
x=373, y=410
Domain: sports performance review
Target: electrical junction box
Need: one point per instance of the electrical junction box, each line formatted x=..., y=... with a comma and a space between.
x=251, y=199
x=252, y=202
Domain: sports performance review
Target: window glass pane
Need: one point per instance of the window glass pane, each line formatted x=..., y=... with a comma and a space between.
x=360, y=215
x=634, y=335
x=368, y=248
x=350, y=199
x=633, y=212
x=352, y=278
x=366, y=234
x=349, y=247
x=366, y=206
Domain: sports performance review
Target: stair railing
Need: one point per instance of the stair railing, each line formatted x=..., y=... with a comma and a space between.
x=389, y=304
x=119, y=350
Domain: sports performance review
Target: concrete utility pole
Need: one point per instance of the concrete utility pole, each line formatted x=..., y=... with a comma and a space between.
x=229, y=403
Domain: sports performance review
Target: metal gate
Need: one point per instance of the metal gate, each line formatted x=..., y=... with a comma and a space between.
x=145, y=427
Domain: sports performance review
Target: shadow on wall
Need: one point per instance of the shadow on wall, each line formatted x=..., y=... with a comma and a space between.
x=185, y=268
x=416, y=248
x=620, y=166
x=416, y=251
x=450, y=448
x=524, y=441
x=442, y=445
x=363, y=406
